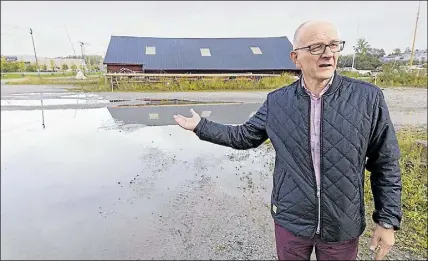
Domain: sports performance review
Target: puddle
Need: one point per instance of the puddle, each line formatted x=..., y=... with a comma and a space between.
x=148, y=102
x=35, y=93
x=86, y=95
x=119, y=100
x=48, y=102
x=84, y=173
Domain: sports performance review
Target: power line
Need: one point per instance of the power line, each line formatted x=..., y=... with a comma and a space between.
x=72, y=46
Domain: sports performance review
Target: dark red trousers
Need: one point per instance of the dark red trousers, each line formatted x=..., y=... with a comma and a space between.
x=291, y=247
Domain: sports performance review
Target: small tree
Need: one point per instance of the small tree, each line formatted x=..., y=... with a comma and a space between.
x=31, y=68
x=396, y=51
x=53, y=66
x=3, y=64
x=74, y=67
x=44, y=67
x=362, y=46
x=64, y=67
x=21, y=66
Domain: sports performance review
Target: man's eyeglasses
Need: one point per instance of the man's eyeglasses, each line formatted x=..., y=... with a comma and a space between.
x=316, y=49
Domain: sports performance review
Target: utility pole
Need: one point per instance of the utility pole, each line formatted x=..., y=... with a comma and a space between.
x=35, y=55
x=414, y=35
x=83, y=56
x=353, y=57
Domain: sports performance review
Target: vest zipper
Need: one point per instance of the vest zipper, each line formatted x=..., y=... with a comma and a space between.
x=317, y=192
x=319, y=210
x=321, y=165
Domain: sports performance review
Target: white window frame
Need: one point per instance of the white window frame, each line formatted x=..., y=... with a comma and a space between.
x=150, y=50
x=256, y=50
x=205, y=51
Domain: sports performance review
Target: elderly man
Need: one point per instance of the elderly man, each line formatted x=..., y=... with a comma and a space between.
x=326, y=129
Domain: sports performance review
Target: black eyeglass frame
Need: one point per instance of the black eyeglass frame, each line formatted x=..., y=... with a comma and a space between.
x=340, y=43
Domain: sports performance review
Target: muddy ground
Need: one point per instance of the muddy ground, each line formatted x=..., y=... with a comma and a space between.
x=90, y=187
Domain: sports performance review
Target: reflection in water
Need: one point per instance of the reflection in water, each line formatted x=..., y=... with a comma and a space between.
x=43, y=114
x=50, y=102
x=87, y=187
x=163, y=115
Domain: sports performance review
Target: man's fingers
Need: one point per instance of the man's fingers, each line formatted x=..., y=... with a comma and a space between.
x=193, y=112
x=374, y=242
x=383, y=251
x=181, y=120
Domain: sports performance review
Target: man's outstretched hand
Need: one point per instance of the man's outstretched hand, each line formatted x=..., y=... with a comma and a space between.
x=188, y=123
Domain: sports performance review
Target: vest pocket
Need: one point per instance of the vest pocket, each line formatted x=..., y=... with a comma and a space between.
x=280, y=181
x=361, y=193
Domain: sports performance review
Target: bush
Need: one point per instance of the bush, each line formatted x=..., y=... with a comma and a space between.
x=204, y=84
x=393, y=75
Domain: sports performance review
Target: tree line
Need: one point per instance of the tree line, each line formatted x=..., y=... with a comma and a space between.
x=368, y=58
x=92, y=62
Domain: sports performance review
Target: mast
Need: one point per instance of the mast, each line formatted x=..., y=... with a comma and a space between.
x=414, y=35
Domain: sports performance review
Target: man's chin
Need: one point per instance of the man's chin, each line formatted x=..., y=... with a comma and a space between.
x=325, y=75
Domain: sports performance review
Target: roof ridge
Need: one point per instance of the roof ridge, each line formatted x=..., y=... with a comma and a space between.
x=193, y=38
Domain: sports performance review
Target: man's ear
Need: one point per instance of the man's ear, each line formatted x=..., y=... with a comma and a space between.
x=293, y=57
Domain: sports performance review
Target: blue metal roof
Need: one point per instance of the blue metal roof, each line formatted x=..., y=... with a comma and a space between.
x=185, y=54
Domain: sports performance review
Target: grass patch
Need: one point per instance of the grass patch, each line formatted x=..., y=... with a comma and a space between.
x=42, y=75
x=5, y=76
x=413, y=235
x=47, y=81
x=206, y=84
x=389, y=78
x=394, y=77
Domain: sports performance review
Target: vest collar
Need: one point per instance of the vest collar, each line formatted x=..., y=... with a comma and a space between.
x=335, y=85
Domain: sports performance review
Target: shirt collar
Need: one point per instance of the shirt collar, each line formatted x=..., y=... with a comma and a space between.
x=323, y=90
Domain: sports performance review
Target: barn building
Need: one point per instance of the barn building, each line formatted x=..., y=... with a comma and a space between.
x=268, y=55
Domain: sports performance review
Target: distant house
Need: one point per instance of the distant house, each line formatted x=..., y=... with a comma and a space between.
x=199, y=55
x=9, y=58
x=419, y=56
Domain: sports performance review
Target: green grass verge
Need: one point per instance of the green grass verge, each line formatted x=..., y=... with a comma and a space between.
x=6, y=76
x=89, y=81
x=394, y=79
x=96, y=83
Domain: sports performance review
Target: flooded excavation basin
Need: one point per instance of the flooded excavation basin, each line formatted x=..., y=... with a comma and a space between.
x=49, y=102
x=89, y=186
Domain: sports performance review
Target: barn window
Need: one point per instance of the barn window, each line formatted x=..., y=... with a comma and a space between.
x=256, y=50
x=205, y=52
x=150, y=50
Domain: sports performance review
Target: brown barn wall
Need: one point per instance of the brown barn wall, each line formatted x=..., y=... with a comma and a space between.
x=112, y=68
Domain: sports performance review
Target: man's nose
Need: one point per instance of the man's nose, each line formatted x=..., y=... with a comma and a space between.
x=327, y=52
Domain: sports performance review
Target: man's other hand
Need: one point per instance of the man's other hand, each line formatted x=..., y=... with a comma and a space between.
x=188, y=123
x=383, y=238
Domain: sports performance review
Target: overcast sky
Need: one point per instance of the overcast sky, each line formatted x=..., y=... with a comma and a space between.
x=384, y=24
